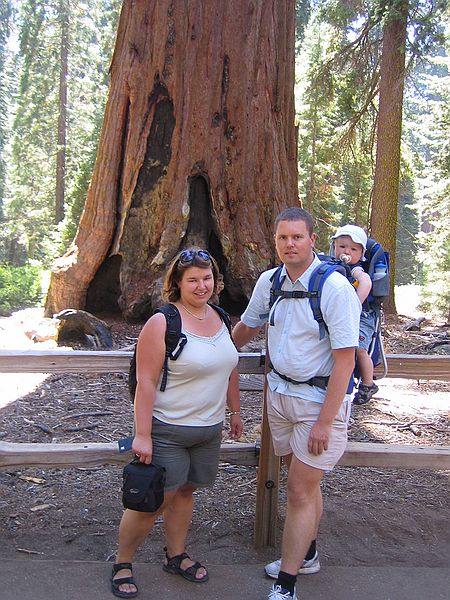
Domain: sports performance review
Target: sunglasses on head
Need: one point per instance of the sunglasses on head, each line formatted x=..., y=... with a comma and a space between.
x=188, y=256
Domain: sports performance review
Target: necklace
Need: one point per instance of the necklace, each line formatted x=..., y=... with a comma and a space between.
x=192, y=314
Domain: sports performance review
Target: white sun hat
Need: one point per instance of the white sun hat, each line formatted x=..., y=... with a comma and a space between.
x=357, y=234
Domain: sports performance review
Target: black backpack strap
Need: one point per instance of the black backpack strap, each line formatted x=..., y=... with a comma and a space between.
x=175, y=340
x=277, y=282
x=132, y=380
x=223, y=315
x=275, y=289
x=276, y=293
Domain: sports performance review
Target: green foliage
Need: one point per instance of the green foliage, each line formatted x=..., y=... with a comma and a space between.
x=96, y=22
x=407, y=234
x=337, y=97
x=427, y=130
x=435, y=237
x=335, y=128
x=30, y=197
x=302, y=15
x=436, y=258
x=5, y=17
x=20, y=287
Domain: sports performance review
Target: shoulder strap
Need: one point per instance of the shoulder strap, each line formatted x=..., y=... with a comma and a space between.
x=223, y=315
x=175, y=341
x=277, y=282
x=174, y=338
x=316, y=281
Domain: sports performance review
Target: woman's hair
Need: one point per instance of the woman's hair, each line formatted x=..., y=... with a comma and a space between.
x=191, y=257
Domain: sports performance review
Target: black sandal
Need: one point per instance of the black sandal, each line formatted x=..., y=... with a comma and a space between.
x=365, y=393
x=173, y=565
x=115, y=583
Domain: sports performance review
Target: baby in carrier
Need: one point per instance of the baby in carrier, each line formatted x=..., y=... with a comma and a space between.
x=350, y=243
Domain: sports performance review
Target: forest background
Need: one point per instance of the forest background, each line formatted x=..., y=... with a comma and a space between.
x=54, y=61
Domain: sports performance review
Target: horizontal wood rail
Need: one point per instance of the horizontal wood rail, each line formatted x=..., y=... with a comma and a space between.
x=405, y=366
x=251, y=369
x=360, y=454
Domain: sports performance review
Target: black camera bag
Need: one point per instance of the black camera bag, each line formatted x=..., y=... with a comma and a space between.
x=143, y=486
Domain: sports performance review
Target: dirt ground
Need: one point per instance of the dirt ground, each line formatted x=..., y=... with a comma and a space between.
x=372, y=516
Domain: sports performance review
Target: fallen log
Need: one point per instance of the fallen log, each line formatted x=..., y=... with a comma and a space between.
x=79, y=325
x=414, y=325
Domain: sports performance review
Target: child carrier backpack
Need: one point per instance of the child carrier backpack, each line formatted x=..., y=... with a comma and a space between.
x=376, y=266
x=175, y=341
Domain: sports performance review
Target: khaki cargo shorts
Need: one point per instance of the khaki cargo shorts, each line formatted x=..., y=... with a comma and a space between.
x=291, y=419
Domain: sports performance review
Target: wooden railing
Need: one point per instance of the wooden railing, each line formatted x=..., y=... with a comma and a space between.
x=406, y=366
x=251, y=369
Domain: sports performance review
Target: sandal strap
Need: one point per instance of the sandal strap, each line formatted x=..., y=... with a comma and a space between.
x=366, y=387
x=194, y=568
x=175, y=561
x=122, y=580
x=120, y=566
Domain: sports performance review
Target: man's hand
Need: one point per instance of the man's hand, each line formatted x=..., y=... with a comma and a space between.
x=319, y=437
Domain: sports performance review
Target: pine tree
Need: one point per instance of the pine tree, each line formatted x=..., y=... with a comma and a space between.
x=407, y=249
x=5, y=16
x=63, y=60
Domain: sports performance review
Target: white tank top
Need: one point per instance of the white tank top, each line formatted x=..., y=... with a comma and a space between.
x=197, y=381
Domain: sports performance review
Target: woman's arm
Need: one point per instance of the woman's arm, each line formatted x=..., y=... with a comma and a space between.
x=150, y=356
x=234, y=405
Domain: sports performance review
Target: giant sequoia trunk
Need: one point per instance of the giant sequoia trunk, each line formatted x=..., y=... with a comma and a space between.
x=197, y=148
x=383, y=221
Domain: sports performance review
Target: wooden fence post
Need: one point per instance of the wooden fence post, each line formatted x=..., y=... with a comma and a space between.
x=268, y=479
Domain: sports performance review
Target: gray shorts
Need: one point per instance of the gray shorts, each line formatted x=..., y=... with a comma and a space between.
x=366, y=329
x=190, y=455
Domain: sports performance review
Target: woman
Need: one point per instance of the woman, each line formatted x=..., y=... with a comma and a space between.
x=180, y=428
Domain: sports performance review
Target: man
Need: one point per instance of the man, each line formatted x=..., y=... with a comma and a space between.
x=308, y=419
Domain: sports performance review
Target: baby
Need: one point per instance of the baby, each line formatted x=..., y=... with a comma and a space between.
x=349, y=245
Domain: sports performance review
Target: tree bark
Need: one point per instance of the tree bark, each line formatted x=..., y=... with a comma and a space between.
x=383, y=222
x=197, y=147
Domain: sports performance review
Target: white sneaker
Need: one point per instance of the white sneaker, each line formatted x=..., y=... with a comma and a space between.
x=278, y=593
x=308, y=567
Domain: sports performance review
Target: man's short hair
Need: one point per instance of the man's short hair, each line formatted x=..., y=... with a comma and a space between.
x=295, y=213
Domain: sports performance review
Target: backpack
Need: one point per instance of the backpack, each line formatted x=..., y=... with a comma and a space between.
x=376, y=266
x=318, y=277
x=316, y=281
x=175, y=342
